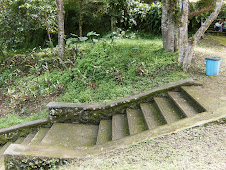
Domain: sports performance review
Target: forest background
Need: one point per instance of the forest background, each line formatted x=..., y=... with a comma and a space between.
x=31, y=24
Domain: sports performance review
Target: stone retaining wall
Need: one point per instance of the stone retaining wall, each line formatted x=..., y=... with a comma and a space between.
x=23, y=129
x=93, y=113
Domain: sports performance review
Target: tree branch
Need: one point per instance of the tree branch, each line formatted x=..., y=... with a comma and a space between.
x=208, y=21
x=200, y=11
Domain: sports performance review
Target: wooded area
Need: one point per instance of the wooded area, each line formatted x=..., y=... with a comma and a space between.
x=31, y=23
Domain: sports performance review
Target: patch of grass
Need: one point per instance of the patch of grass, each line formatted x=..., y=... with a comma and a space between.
x=108, y=72
x=94, y=73
x=212, y=41
x=220, y=39
x=14, y=119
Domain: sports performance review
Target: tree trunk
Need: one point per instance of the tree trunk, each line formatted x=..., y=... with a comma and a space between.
x=187, y=46
x=170, y=27
x=80, y=23
x=184, y=7
x=81, y=18
x=48, y=32
x=60, y=17
x=2, y=53
x=113, y=24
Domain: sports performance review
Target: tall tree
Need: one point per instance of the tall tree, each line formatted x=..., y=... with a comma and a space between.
x=115, y=9
x=170, y=25
x=60, y=17
x=187, y=45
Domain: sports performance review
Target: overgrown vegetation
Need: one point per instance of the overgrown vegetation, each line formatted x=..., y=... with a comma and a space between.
x=92, y=72
x=96, y=71
x=13, y=118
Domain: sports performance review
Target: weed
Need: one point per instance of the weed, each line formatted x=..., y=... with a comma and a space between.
x=98, y=72
x=13, y=118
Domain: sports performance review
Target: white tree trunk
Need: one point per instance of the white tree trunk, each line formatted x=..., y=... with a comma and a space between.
x=187, y=46
x=184, y=6
x=60, y=16
x=169, y=26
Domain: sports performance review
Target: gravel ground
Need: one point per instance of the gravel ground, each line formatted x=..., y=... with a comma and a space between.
x=202, y=147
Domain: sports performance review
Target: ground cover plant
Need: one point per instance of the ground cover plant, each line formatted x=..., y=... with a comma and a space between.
x=91, y=72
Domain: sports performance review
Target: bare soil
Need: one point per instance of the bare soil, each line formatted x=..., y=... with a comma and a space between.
x=202, y=147
x=213, y=87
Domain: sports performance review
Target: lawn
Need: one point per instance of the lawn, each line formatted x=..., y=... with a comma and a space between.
x=98, y=72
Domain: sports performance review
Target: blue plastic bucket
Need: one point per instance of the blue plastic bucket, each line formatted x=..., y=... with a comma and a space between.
x=212, y=65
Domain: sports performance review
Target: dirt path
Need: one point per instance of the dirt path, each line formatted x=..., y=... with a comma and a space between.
x=202, y=147
x=213, y=87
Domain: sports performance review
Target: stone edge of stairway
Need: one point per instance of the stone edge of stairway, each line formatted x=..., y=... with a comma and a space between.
x=21, y=151
x=92, y=113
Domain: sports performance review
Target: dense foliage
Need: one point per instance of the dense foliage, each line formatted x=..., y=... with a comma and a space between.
x=32, y=23
x=222, y=14
x=25, y=24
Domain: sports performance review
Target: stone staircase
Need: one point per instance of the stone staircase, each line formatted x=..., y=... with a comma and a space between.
x=69, y=141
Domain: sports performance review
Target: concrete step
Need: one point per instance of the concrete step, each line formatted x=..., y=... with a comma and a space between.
x=71, y=135
x=183, y=104
x=151, y=115
x=104, y=132
x=17, y=152
x=201, y=101
x=19, y=140
x=135, y=121
x=2, y=168
x=28, y=139
x=169, y=112
x=39, y=136
x=119, y=126
x=2, y=150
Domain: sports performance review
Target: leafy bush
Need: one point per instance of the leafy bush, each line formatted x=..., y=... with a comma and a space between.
x=143, y=17
x=25, y=24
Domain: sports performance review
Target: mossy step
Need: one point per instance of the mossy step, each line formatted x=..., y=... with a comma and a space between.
x=168, y=111
x=71, y=135
x=2, y=150
x=135, y=121
x=119, y=126
x=19, y=140
x=17, y=152
x=39, y=136
x=183, y=104
x=28, y=139
x=2, y=168
x=151, y=115
x=201, y=101
x=104, y=132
